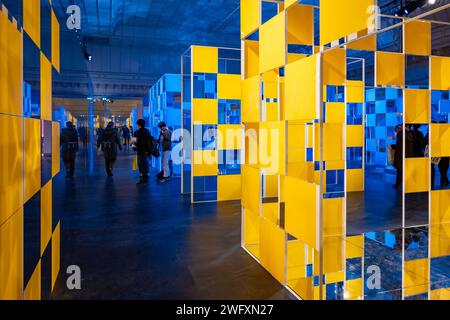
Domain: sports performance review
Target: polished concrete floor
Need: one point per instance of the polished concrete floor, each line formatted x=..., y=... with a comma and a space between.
x=151, y=243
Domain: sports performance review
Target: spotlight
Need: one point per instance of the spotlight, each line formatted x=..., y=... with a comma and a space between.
x=431, y=2
x=87, y=56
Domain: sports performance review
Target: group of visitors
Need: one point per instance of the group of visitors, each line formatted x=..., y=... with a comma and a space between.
x=108, y=140
x=416, y=146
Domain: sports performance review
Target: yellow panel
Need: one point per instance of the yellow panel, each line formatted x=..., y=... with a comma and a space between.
x=205, y=111
x=440, y=240
x=250, y=16
x=297, y=256
x=416, y=276
x=336, y=112
x=10, y=68
x=11, y=256
x=417, y=175
x=272, y=43
x=270, y=212
x=440, y=75
x=304, y=287
x=251, y=227
x=229, y=86
x=334, y=67
x=390, y=69
x=417, y=106
x=205, y=59
x=272, y=147
x=271, y=111
x=300, y=89
x=56, y=155
x=272, y=249
x=333, y=217
x=270, y=80
x=332, y=142
x=440, y=140
x=292, y=57
x=288, y=3
x=354, y=247
x=355, y=135
x=369, y=43
x=32, y=157
x=55, y=42
x=440, y=294
x=204, y=163
x=32, y=20
x=301, y=210
x=300, y=24
x=418, y=37
x=251, y=56
x=296, y=143
x=341, y=18
x=251, y=189
x=56, y=245
x=251, y=143
x=11, y=155
x=333, y=254
x=33, y=288
x=228, y=187
x=251, y=99
x=270, y=186
x=46, y=88
x=355, y=180
x=229, y=136
x=440, y=206
x=335, y=277
x=46, y=215
x=353, y=289
x=355, y=91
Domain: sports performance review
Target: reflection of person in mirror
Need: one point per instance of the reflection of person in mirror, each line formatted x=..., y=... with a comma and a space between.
x=398, y=147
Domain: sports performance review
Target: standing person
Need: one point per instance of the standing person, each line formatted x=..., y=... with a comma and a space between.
x=109, y=142
x=398, y=147
x=69, y=147
x=419, y=141
x=165, y=140
x=142, y=144
x=126, y=136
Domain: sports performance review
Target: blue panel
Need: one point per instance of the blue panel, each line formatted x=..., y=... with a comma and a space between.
x=440, y=106
x=417, y=72
x=31, y=236
x=229, y=111
x=354, y=158
x=46, y=29
x=335, y=94
x=205, y=85
x=205, y=188
x=46, y=273
x=269, y=10
x=31, y=67
x=354, y=268
x=229, y=162
x=354, y=113
x=205, y=137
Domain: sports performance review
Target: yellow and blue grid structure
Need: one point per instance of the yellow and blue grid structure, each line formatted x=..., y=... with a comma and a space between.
x=29, y=227
x=314, y=78
x=211, y=117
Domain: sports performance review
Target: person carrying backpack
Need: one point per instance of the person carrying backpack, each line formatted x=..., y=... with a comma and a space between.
x=109, y=142
x=165, y=140
x=146, y=147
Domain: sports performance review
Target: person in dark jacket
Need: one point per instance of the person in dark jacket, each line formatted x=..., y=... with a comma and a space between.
x=109, y=142
x=165, y=140
x=69, y=147
x=398, y=147
x=419, y=141
x=126, y=137
x=142, y=144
